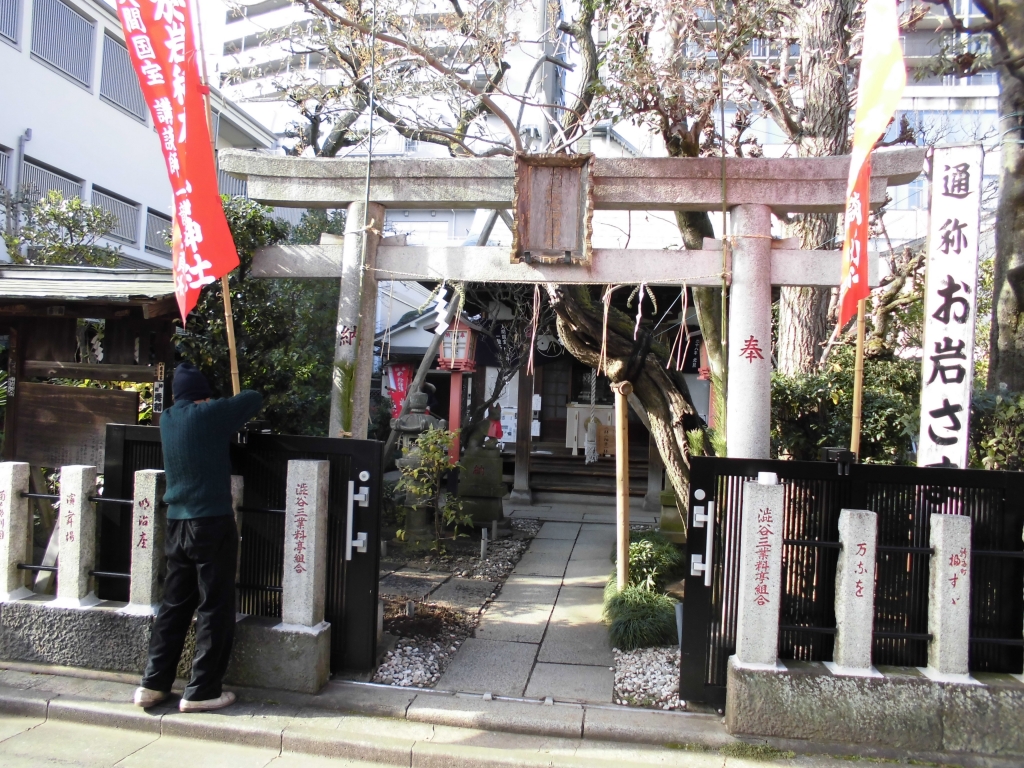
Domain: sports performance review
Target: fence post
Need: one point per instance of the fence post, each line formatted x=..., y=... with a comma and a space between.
x=149, y=525
x=855, y=593
x=949, y=596
x=15, y=530
x=760, y=585
x=76, y=553
x=305, y=543
x=237, y=494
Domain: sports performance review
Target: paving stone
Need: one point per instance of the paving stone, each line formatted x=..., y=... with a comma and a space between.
x=483, y=666
x=530, y=589
x=551, y=548
x=571, y=682
x=576, y=633
x=541, y=565
x=514, y=622
x=174, y=752
x=77, y=744
x=412, y=585
x=12, y=725
x=463, y=594
x=588, y=573
x=555, y=530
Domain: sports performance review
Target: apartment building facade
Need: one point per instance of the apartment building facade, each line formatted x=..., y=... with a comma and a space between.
x=73, y=119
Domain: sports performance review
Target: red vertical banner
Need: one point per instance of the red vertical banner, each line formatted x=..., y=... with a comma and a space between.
x=161, y=43
x=854, y=286
x=399, y=378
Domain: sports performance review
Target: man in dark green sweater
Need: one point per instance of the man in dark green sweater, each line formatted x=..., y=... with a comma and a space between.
x=201, y=542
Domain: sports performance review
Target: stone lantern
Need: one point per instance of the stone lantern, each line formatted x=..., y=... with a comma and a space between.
x=409, y=427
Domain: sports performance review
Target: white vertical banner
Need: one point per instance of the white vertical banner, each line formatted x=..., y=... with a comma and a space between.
x=950, y=301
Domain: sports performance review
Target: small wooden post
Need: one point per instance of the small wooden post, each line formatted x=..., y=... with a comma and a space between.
x=622, y=393
x=229, y=324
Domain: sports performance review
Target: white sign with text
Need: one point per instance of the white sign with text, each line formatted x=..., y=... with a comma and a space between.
x=951, y=282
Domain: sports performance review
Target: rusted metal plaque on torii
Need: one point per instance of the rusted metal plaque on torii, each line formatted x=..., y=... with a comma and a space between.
x=553, y=209
x=57, y=426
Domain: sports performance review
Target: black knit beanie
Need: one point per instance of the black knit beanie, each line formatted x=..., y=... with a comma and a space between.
x=190, y=384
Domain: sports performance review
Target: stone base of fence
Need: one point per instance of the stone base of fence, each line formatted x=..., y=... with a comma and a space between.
x=266, y=654
x=269, y=654
x=903, y=708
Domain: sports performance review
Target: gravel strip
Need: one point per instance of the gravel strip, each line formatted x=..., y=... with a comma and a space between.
x=648, y=677
x=429, y=641
x=419, y=660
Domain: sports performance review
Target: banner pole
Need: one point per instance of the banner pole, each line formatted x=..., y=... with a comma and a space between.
x=858, y=381
x=225, y=289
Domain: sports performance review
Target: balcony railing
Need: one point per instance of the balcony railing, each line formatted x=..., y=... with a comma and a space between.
x=10, y=19
x=231, y=186
x=5, y=164
x=64, y=38
x=38, y=181
x=127, y=229
x=158, y=233
x=118, y=82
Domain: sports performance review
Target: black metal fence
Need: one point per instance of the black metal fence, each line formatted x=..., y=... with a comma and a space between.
x=904, y=499
x=262, y=461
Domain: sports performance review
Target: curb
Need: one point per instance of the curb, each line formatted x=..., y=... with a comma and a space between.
x=383, y=725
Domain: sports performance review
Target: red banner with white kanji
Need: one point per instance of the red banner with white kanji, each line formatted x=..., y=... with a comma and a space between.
x=161, y=43
x=883, y=76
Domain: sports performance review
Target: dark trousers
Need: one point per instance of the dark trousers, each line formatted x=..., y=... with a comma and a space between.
x=201, y=561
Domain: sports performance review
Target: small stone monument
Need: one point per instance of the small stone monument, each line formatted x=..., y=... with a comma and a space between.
x=480, y=487
x=409, y=427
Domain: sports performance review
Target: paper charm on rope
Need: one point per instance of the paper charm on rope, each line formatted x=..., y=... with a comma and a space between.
x=162, y=47
x=882, y=79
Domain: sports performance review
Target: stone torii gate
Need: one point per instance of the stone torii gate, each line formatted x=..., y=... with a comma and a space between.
x=755, y=189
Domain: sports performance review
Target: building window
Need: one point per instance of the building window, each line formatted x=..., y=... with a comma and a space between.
x=158, y=233
x=118, y=82
x=10, y=19
x=127, y=214
x=64, y=38
x=5, y=164
x=911, y=197
x=39, y=180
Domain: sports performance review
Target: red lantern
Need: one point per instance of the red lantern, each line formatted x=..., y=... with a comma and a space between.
x=458, y=348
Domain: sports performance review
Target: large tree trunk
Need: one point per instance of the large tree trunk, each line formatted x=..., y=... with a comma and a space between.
x=824, y=56
x=662, y=392
x=1006, y=362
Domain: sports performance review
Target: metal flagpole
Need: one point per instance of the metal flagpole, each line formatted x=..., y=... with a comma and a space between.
x=225, y=287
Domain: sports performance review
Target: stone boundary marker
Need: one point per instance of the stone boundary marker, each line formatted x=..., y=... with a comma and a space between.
x=949, y=597
x=304, y=583
x=760, y=581
x=149, y=528
x=15, y=530
x=76, y=552
x=855, y=593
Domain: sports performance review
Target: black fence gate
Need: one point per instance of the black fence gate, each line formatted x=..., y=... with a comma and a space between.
x=262, y=460
x=815, y=493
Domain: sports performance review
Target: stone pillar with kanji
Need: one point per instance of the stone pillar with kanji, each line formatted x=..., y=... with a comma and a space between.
x=305, y=544
x=760, y=583
x=76, y=553
x=855, y=592
x=15, y=530
x=949, y=597
x=149, y=526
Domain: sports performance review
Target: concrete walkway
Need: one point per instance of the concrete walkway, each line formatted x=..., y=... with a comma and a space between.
x=543, y=635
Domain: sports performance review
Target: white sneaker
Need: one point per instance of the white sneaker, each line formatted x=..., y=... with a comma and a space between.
x=226, y=699
x=147, y=697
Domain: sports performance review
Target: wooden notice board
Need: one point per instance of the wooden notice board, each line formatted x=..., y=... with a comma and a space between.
x=57, y=426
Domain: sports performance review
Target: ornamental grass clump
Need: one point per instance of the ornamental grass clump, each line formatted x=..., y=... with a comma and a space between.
x=639, y=618
x=653, y=559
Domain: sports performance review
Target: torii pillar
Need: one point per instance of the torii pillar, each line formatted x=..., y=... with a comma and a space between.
x=749, y=390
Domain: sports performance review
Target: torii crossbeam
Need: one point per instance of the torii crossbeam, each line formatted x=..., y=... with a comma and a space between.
x=755, y=188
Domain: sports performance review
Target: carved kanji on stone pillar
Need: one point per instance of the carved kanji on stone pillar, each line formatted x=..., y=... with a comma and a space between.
x=553, y=207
